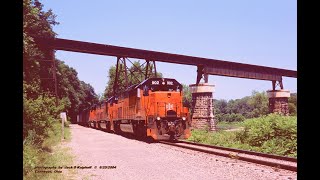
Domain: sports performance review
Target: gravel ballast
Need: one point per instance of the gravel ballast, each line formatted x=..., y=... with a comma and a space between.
x=139, y=160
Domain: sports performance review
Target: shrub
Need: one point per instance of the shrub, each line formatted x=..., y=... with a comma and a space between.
x=39, y=114
x=271, y=134
x=40, y=122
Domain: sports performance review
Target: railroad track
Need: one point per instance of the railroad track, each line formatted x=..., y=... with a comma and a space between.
x=281, y=162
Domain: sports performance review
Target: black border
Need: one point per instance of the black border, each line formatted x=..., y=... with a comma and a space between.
x=307, y=92
x=12, y=109
x=306, y=97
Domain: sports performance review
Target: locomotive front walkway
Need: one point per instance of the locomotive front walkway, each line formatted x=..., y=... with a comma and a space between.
x=134, y=159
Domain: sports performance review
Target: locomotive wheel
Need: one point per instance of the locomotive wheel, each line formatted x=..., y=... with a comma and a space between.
x=117, y=128
x=108, y=126
x=140, y=131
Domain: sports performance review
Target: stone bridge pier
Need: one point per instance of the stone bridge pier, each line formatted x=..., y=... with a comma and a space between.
x=202, y=107
x=278, y=101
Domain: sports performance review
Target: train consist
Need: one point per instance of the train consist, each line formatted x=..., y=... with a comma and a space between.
x=152, y=108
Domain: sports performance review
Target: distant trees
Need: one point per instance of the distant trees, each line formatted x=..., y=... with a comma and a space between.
x=220, y=106
x=187, y=98
x=293, y=104
x=252, y=106
x=259, y=102
x=78, y=94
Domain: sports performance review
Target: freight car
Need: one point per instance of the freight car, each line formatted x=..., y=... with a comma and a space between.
x=152, y=108
x=83, y=117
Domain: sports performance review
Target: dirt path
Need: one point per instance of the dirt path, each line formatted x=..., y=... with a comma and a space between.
x=139, y=160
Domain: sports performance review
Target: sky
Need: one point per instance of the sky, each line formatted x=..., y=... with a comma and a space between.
x=248, y=31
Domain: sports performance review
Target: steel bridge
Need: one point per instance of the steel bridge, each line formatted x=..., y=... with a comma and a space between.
x=205, y=66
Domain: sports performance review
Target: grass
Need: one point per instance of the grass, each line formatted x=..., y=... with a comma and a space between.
x=220, y=138
x=229, y=125
x=52, y=153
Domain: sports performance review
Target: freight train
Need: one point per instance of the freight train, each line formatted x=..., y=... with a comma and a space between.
x=152, y=108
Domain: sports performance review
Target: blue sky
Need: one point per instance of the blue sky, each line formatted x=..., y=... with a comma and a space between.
x=248, y=31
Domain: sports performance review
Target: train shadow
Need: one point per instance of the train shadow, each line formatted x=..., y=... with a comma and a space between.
x=148, y=140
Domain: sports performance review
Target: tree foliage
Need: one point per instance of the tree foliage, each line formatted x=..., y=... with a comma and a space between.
x=259, y=102
x=239, y=109
x=36, y=22
x=39, y=108
x=40, y=111
x=236, y=110
x=79, y=94
x=292, y=104
x=187, y=97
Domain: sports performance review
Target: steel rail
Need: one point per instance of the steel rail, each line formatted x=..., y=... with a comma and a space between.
x=239, y=157
x=285, y=158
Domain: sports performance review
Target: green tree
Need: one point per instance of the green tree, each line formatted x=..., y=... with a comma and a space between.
x=38, y=108
x=187, y=96
x=292, y=103
x=220, y=106
x=259, y=102
x=293, y=98
x=247, y=107
x=36, y=22
x=40, y=111
x=79, y=94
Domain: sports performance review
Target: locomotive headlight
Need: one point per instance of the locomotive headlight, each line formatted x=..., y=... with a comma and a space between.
x=184, y=118
x=158, y=118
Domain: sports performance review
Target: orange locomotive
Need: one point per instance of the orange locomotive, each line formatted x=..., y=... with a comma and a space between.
x=152, y=108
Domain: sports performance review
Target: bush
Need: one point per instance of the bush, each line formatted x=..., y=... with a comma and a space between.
x=292, y=109
x=272, y=134
x=40, y=126
x=39, y=113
